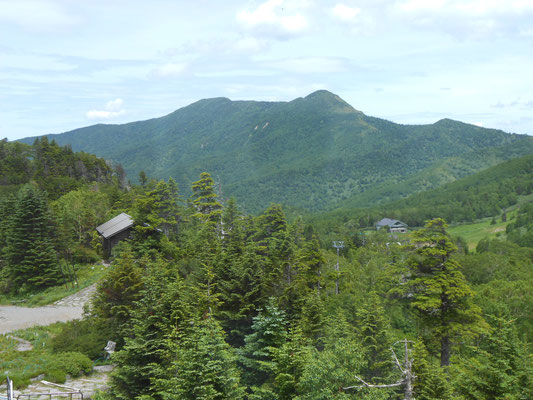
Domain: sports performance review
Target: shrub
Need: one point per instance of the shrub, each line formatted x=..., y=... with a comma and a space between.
x=55, y=375
x=72, y=363
x=87, y=336
x=84, y=255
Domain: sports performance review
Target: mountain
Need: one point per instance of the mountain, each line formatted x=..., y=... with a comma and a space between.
x=312, y=153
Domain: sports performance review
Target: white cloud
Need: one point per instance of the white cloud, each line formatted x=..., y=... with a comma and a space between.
x=169, y=70
x=476, y=18
x=278, y=18
x=35, y=15
x=310, y=65
x=344, y=12
x=114, y=105
x=112, y=109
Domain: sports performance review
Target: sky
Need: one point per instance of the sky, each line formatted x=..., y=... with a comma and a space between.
x=65, y=64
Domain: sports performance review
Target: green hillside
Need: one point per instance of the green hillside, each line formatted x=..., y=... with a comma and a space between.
x=53, y=168
x=313, y=153
x=469, y=203
x=484, y=194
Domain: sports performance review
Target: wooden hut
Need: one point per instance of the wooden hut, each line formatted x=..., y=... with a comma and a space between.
x=115, y=230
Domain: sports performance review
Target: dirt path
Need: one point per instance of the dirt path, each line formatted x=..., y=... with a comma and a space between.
x=66, y=309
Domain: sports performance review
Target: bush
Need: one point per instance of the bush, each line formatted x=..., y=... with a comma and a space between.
x=55, y=375
x=84, y=255
x=72, y=363
x=87, y=336
x=20, y=380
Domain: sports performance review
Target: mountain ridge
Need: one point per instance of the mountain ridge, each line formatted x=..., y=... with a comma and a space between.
x=312, y=153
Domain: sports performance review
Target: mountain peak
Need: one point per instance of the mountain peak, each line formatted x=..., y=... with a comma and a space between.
x=331, y=101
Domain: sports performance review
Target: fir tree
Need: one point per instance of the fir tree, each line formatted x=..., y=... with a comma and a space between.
x=375, y=335
x=204, y=199
x=439, y=291
x=498, y=369
x=30, y=256
x=202, y=366
x=116, y=294
x=269, y=331
x=431, y=382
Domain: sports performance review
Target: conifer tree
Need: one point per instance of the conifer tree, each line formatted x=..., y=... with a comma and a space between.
x=497, y=367
x=30, y=255
x=202, y=366
x=269, y=331
x=204, y=199
x=116, y=294
x=439, y=291
x=431, y=382
x=290, y=360
x=374, y=332
x=157, y=208
x=161, y=309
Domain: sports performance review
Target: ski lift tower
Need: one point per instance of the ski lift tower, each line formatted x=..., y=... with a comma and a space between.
x=338, y=245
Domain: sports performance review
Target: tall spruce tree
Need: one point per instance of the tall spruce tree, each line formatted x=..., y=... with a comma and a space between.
x=375, y=334
x=439, y=291
x=30, y=255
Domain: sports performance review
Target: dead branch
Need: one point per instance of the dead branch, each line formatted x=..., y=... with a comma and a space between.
x=365, y=384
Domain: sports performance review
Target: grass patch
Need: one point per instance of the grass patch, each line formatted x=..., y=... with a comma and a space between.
x=87, y=275
x=21, y=367
x=472, y=233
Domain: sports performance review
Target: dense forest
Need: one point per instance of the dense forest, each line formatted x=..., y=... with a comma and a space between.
x=206, y=301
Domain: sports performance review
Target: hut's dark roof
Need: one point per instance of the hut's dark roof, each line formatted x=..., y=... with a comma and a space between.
x=390, y=222
x=115, y=225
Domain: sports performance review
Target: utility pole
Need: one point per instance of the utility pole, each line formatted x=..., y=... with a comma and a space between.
x=338, y=245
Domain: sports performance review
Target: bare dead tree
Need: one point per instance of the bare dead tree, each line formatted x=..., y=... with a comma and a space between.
x=406, y=369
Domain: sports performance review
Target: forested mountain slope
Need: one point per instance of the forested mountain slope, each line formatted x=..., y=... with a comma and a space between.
x=54, y=168
x=313, y=153
x=488, y=193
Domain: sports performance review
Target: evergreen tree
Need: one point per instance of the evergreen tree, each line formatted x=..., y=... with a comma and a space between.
x=204, y=199
x=498, y=369
x=161, y=309
x=30, y=256
x=290, y=360
x=202, y=366
x=157, y=208
x=312, y=319
x=439, y=291
x=375, y=335
x=431, y=382
x=269, y=331
x=116, y=294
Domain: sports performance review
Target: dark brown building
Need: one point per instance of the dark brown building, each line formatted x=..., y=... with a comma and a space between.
x=115, y=230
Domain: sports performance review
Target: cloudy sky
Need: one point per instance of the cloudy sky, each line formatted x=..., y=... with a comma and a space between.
x=65, y=64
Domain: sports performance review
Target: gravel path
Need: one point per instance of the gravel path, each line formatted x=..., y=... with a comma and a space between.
x=66, y=309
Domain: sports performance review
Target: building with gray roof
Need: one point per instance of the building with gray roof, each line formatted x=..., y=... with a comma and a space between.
x=115, y=230
x=392, y=225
